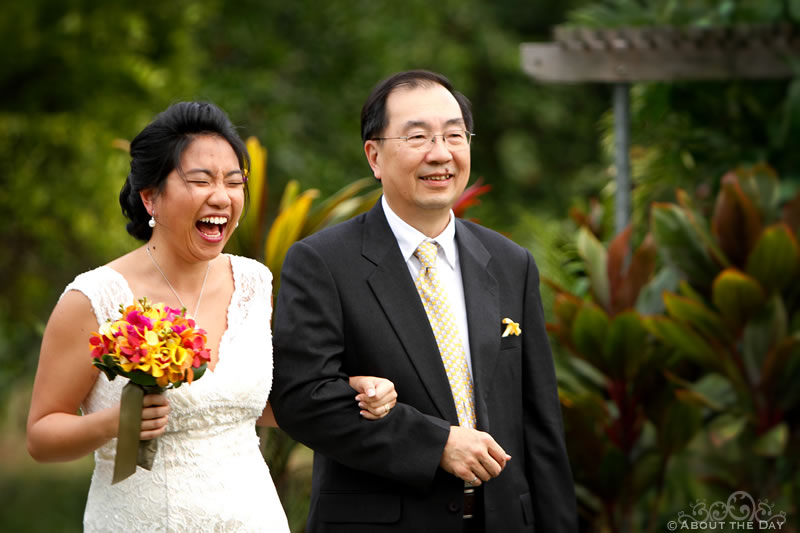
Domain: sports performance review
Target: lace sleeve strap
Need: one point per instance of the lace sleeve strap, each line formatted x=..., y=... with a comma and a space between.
x=253, y=292
x=105, y=288
x=252, y=276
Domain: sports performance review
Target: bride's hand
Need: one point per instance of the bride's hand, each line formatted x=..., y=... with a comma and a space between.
x=155, y=413
x=376, y=396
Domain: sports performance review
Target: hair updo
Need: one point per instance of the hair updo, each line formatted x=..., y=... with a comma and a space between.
x=157, y=151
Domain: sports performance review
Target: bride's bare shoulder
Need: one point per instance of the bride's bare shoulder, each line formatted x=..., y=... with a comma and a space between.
x=128, y=263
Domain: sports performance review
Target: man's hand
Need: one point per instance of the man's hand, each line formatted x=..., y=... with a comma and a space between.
x=473, y=455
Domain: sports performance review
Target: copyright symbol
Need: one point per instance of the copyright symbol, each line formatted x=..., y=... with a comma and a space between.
x=672, y=525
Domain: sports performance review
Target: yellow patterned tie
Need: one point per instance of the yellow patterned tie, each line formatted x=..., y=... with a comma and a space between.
x=443, y=323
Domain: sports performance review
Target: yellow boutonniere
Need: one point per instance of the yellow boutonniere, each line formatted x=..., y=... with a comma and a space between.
x=512, y=328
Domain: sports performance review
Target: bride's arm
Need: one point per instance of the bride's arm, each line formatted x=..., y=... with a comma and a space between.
x=267, y=419
x=65, y=375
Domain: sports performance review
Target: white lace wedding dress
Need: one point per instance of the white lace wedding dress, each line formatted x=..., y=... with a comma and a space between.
x=208, y=474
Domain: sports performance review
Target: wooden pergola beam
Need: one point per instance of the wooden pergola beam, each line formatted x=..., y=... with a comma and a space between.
x=552, y=62
x=626, y=55
x=622, y=56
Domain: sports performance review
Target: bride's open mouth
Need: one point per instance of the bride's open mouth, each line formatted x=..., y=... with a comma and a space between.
x=212, y=228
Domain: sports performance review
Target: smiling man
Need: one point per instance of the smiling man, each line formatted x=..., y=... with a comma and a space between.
x=447, y=310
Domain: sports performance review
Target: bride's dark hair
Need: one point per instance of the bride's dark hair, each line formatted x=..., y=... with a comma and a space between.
x=157, y=151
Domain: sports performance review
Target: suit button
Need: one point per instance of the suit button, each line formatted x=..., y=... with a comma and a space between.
x=453, y=507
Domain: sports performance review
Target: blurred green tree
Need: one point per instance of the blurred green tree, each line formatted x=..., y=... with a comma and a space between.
x=302, y=84
x=80, y=74
x=75, y=77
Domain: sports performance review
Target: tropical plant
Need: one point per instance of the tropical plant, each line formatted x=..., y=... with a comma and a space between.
x=622, y=420
x=470, y=197
x=736, y=316
x=296, y=216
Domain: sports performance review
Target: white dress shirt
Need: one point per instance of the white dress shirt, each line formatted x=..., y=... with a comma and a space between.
x=447, y=266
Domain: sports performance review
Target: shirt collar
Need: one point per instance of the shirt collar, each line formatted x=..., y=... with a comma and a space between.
x=409, y=238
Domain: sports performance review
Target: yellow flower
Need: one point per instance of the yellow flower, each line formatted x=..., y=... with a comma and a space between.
x=151, y=338
x=107, y=330
x=512, y=328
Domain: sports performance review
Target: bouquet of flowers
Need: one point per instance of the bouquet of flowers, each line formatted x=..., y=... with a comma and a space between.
x=157, y=348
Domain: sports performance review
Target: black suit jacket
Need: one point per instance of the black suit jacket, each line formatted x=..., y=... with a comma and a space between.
x=348, y=306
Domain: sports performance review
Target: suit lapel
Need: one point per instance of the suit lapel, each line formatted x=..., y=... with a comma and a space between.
x=394, y=289
x=483, y=309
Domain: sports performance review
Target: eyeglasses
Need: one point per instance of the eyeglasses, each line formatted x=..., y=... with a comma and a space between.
x=453, y=139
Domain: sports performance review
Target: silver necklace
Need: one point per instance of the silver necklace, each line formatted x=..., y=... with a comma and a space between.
x=202, y=287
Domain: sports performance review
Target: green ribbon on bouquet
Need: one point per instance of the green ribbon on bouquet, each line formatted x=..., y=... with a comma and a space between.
x=132, y=452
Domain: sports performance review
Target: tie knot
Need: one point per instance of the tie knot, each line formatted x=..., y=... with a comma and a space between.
x=426, y=253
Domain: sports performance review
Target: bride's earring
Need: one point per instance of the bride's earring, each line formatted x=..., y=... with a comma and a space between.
x=152, y=222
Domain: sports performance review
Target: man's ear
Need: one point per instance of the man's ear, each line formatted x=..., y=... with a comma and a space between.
x=373, y=158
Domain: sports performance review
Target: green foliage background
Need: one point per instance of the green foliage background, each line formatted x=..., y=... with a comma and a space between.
x=78, y=75
x=79, y=78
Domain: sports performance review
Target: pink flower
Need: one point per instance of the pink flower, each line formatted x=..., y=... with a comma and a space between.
x=194, y=342
x=172, y=313
x=133, y=339
x=99, y=345
x=203, y=356
x=137, y=319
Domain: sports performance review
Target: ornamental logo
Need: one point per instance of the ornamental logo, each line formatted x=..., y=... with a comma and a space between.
x=740, y=512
